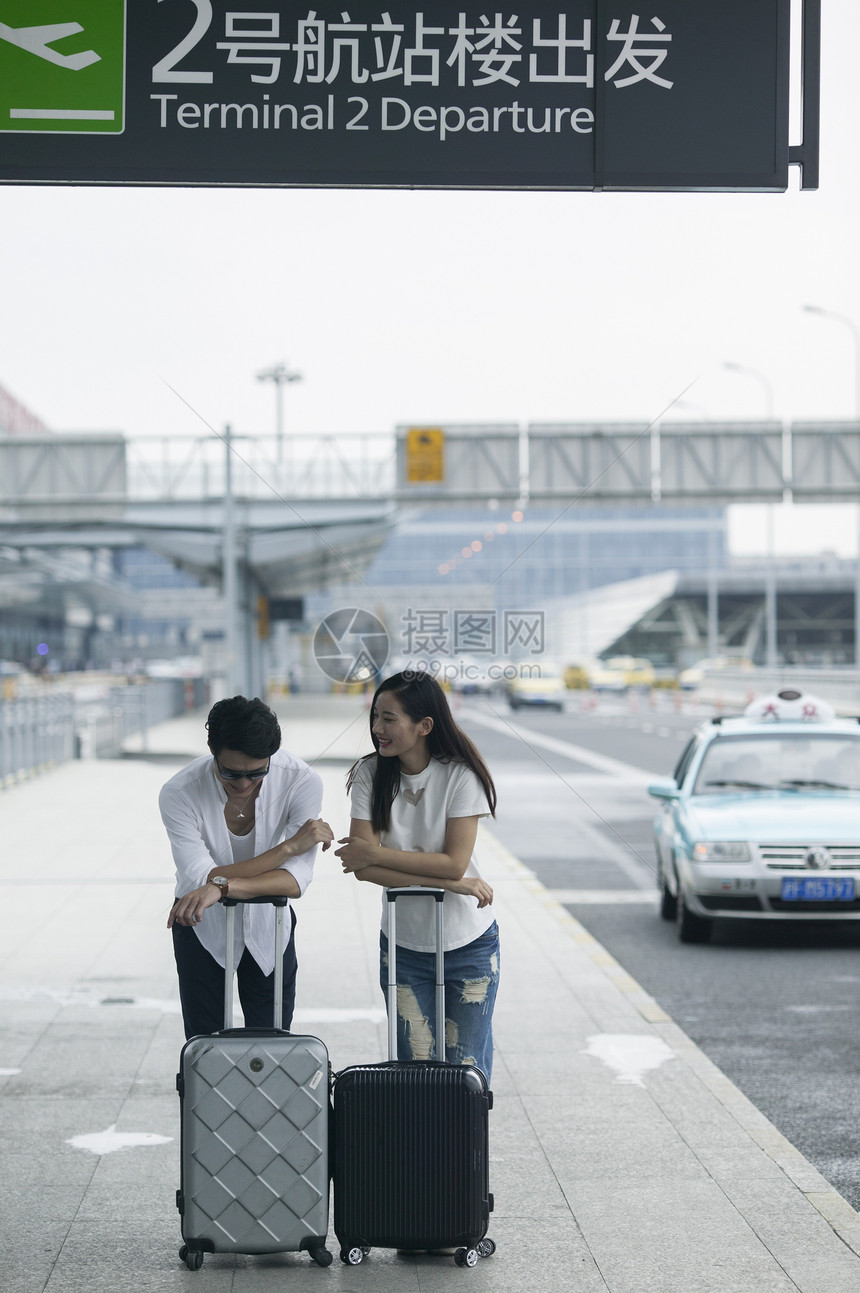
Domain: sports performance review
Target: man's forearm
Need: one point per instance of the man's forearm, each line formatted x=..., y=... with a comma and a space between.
x=265, y=863
x=267, y=885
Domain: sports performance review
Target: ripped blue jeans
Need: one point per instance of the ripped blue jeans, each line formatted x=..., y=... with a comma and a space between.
x=471, y=983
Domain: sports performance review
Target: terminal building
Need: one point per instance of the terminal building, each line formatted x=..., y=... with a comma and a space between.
x=653, y=581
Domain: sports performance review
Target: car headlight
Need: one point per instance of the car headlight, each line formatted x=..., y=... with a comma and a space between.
x=723, y=851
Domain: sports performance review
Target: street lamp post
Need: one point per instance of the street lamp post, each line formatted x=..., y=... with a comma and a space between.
x=281, y=375
x=855, y=333
x=760, y=377
x=767, y=385
x=770, y=578
x=230, y=576
x=694, y=408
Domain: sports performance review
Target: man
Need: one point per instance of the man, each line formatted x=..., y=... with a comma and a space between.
x=244, y=821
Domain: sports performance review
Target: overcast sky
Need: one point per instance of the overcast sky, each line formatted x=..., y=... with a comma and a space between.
x=443, y=307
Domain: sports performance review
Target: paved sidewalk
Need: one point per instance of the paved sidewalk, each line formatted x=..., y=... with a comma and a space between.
x=621, y=1158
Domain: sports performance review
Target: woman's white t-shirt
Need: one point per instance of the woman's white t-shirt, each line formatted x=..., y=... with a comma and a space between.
x=419, y=816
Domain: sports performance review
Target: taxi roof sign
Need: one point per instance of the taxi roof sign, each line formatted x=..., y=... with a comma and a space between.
x=789, y=704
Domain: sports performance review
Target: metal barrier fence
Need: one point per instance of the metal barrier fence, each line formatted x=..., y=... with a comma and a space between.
x=104, y=721
x=38, y=732
x=735, y=688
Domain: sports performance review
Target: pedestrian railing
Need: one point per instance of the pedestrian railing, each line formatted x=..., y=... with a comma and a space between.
x=36, y=733
x=40, y=731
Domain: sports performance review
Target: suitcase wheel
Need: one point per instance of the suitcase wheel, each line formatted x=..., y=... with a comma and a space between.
x=467, y=1257
x=486, y=1247
x=193, y=1260
x=353, y=1256
x=321, y=1256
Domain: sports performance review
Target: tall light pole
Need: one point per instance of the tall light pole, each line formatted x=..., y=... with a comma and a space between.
x=855, y=333
x=694, y=408
x=770, y=578
x=281, y=375
x=760, y=377
x=234, y=679
x=767, y=386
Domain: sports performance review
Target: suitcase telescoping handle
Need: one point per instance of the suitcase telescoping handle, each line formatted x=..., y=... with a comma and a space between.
x=279, y=902
x=438, y=895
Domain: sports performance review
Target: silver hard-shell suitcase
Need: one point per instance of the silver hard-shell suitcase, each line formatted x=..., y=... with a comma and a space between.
x=254, y=1132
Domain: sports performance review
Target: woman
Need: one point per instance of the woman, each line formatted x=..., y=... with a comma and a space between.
x=415, y=809
x=242, y=821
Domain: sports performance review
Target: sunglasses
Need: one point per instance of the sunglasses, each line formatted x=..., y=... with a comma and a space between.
x=229, y=774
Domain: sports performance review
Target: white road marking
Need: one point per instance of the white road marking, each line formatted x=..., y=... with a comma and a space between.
x=645, y=897
x=629, y=1055
x=602, y=762
x=111, y=1140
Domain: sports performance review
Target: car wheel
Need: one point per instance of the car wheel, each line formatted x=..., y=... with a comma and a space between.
x=691, y=928
x=668, y=900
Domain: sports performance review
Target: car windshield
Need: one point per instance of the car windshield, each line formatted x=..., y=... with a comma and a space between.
x=773, y=761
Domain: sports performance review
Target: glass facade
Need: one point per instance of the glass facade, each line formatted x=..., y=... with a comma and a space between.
x=546, y=553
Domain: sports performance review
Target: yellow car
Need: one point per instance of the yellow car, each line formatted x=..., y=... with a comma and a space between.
x=603, y=675
x=638, y=671
x=693, y=677
x=537, y=684
x=620, y=672
x=576, y=677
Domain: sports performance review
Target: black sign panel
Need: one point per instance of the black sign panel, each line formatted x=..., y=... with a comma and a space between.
x=581, y=94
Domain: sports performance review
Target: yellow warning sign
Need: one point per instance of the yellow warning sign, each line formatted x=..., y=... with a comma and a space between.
x=263, y=627
x=425, y=455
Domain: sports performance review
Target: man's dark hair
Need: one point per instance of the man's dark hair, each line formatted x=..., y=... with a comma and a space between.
x=245, y=725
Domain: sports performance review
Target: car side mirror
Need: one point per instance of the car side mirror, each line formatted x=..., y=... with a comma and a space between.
x=664, y=790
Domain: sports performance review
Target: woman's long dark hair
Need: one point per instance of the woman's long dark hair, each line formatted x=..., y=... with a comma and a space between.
x=421, y=697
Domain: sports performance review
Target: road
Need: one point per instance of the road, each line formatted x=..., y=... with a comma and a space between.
x=776, y=1008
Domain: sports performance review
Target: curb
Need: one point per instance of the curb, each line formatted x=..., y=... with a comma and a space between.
x=842, y=1218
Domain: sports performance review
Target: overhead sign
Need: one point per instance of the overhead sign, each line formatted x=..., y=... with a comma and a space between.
x=587, y=94
x=425, y=455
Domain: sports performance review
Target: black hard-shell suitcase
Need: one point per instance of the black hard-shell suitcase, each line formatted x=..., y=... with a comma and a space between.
x=254, y=1147
x=411, y=1141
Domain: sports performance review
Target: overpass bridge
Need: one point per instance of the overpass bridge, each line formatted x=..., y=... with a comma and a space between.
x=263, y=520
x=61, y=477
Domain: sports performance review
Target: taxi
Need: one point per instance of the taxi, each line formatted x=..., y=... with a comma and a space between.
x=761, y=818
x=541, y=686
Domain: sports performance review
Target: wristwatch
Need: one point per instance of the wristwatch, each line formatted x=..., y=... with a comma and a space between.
x=222, y=883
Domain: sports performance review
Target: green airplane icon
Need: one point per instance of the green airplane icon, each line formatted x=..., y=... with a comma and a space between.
x=38, y=41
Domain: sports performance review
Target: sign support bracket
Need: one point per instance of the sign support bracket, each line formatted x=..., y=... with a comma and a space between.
x=806, y=154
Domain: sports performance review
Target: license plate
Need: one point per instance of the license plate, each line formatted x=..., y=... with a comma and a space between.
x=818, y=889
